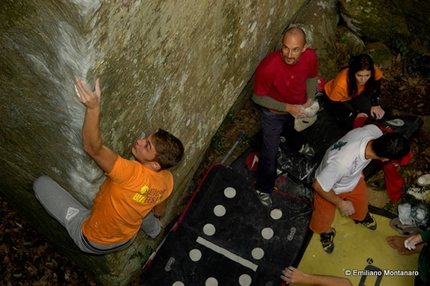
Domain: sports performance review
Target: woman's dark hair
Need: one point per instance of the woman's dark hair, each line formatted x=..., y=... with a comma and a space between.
x=359, y=63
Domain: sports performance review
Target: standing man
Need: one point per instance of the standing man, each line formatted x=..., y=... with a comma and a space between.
x=133, y=195
x=339, y=181
x=285, y=84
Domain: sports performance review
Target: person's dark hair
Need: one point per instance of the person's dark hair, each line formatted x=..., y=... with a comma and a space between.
x=169, y=149
x=359, y=63
x=391, y=145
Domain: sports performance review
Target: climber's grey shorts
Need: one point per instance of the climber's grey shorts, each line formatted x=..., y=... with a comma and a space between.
x=71, y=214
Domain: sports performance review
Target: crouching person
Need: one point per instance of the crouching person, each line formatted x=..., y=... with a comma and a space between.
x=339, y=181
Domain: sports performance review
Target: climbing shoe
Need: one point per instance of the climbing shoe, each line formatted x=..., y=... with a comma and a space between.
x=265, y=198
x=369, y=222
x=327, y=240
x=307, y=150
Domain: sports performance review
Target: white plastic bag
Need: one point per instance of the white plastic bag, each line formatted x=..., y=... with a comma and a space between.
x=301, y=124
x=405, y=214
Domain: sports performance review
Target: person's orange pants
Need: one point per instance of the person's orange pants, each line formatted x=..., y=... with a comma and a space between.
x=324, y=211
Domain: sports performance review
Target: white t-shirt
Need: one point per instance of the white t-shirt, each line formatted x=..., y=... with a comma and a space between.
x=344, y=161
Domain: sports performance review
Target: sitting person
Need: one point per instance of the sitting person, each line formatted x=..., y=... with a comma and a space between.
x=133, y=195
x=355, y=89
x=417, y=243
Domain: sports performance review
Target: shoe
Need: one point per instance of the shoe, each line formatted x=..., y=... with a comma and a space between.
x=369, y=222
x=327, y=241
x=282, y=139
x=418, y=193
x=396, y=122
x=283, y=146
x=424, y=180
x=265, y=198
x=405, y=229
x=307, y=150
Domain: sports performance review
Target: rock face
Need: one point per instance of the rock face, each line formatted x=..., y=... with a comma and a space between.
x=175, y=65
x=396, y=23
x=319, y=20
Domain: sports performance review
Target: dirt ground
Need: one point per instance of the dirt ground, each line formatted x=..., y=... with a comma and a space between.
x=28, y=259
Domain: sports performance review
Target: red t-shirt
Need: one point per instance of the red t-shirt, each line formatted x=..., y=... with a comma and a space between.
x=283, y=82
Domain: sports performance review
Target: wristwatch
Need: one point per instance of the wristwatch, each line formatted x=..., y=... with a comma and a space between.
x=157, y=216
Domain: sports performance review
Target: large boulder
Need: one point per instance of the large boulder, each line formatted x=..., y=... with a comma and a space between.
x=380, y=53
x=348, y=44
x=397, y=23
x=176, y=65
x=319, y=20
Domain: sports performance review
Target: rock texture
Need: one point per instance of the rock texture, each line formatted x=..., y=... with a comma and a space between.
x=397, y=23
x=176, y=65
x=319, y=20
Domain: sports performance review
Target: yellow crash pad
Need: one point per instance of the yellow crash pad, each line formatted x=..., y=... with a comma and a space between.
x=361, y=253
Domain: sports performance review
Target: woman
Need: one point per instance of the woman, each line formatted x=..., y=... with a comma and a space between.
x=355, y=89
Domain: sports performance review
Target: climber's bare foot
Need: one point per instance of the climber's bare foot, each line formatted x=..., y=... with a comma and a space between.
x=398, y=242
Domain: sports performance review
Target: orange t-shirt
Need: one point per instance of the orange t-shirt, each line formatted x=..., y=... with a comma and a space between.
x=337, y=88
x=128, y=194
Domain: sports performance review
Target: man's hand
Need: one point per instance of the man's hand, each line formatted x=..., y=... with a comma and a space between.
x=296, y=276
x=293, y=275
x=412, y=241
x=298, y=111
x=377, y=112
x=90, y=99
x=346, y=208
x=308, y=102
x=91, y=138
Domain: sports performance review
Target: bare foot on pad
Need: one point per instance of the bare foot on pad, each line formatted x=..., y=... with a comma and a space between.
x=398, y=242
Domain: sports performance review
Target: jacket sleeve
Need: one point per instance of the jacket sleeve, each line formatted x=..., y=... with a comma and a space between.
x=268, y=102
x=374, y=99
x=311, y=87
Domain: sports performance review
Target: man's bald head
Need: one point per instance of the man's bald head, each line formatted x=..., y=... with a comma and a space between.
x=293, y=44
x=295, y=32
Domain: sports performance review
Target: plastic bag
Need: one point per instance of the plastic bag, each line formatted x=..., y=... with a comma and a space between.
x=405, y=214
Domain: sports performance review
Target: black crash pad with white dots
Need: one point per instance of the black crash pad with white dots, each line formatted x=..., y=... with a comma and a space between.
x=227, y=237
